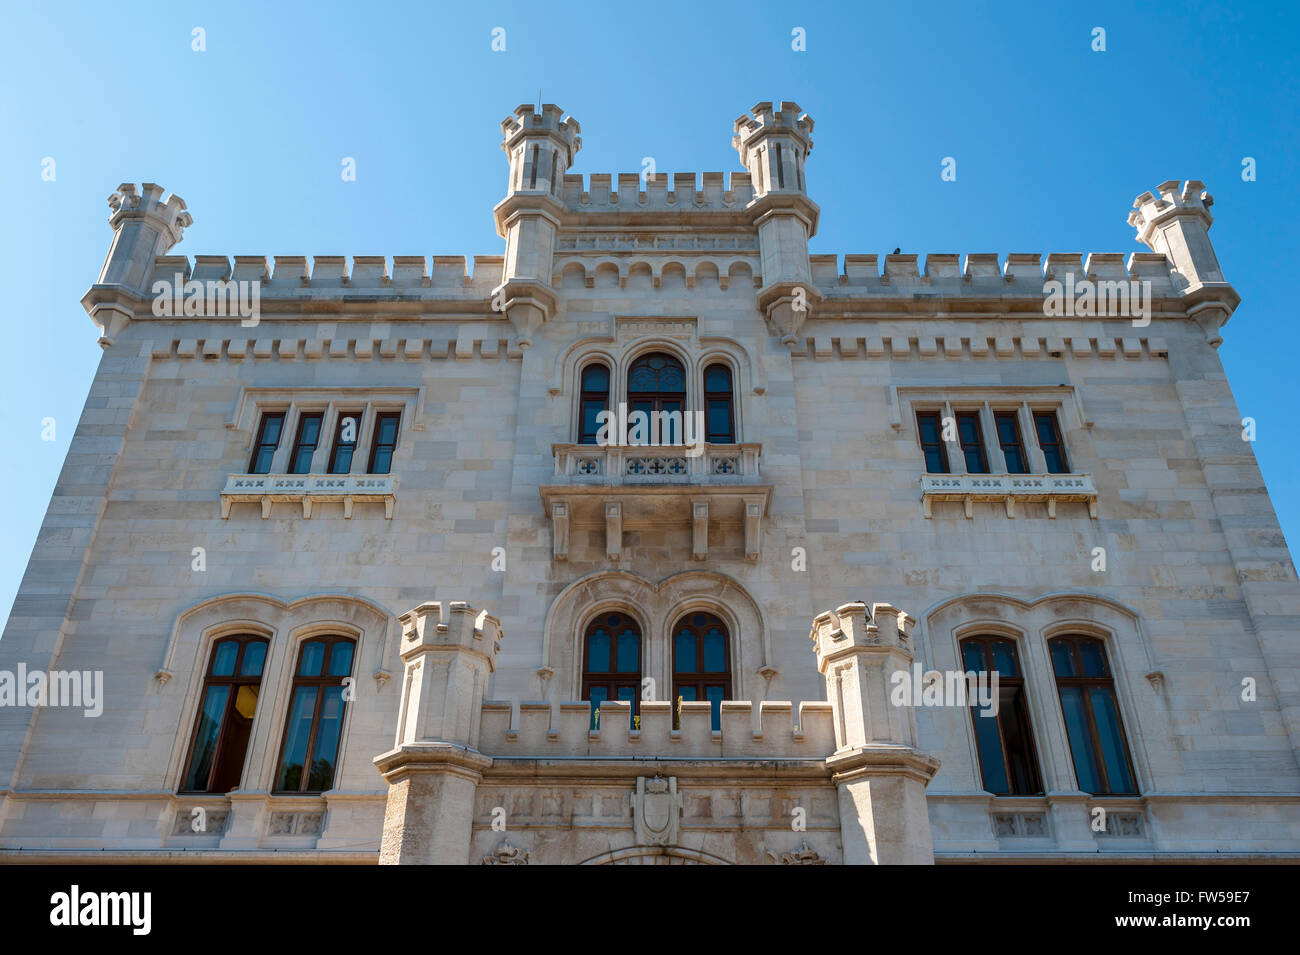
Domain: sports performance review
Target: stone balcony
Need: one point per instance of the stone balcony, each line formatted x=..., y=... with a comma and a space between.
x=1008, y=490
x=308, y=490
x=646, y=487
x=715, y=464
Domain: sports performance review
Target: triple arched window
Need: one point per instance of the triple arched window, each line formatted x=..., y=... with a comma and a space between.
x=612, y=656
x=1004, y=739
x=656, y=385
x=228, y=705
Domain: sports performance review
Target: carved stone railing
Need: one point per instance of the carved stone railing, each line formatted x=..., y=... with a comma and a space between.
x=1008, y=489
x=309, y=489
x=716, y=464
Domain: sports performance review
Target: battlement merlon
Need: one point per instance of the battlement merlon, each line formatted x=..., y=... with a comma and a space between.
x=1177, y=225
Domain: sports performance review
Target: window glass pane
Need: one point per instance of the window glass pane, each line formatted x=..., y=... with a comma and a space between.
x=598, y=651
x=686, y=692
x=717, y=378
x=1046, y=429
x=671, y=427
x=719, y=423
x=715, y=651
x=254, y=657
x=262, y=462
x=1076, y=725
x=929, y=428
x=295, y=739
x=325, y=752
x=714, y=696
x=1015, y=463
x=934, y=463
x=1013, y=721
x=1093, y=657
x=628, y=695
x=595, y=378
x=590, y=421
x=972, y=655
x=383, y=461
x=629, y=651
x=234, y=741
x=205, y=741
x=1004, y=659
x=1007, y=429
x=974, y=461
x=1055, y=464
x=223, y=658
x=968, y=428
x=684, y=653
x=1112, y=739
x=989, y=742
x=341, y=658
x=313, y=655
x=271, y=429
x=342, y=462
x=1062, y=658
x=387, y=429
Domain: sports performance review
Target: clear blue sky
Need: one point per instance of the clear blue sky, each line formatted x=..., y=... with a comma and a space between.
x=1053, y=141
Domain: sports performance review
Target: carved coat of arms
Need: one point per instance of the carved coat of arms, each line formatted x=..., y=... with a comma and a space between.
x=657, y=811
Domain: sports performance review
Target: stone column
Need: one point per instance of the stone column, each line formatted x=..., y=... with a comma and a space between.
x=878, y=771
x=448, y=653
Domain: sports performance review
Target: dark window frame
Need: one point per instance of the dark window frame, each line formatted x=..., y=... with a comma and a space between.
x=939, y=445
x=1073, y=641
x=1056, y=446
x=1019, y=442
x=611, y=680
x=657, y=399
x=700, y=679
x=977, y=445
x=321, y=682
x=298, y=445
x=339, y=444
x=260, y=444
x=234, y=680
x=1021, y=715
x=376, y=445
x=596, y=397
x=729, y=437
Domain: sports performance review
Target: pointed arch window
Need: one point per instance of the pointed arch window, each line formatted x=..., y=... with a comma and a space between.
x=593, y=400
x=719, y=407
x=1004, y=738
x=702, y=662
x=1092, y=719
x=656, y=385
x=611, y=667
x=309, y=754
x=229, y=702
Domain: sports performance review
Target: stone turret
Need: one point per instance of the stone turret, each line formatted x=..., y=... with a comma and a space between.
x=144, y=227
x=1177, y=225
x=540, y=148
x=880, y=774
x=433, y=773
x=774, y=144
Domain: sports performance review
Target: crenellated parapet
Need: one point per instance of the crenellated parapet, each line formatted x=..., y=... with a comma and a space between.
x=661, y=729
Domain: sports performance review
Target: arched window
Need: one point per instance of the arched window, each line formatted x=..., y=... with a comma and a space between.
x=719, y=415
x=593, y=400
x=1092, y=721
x=656, y=385
x=611, y=667
x=702, y=662
x=226, y=709
x=311, y=735
x=1004, y=737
